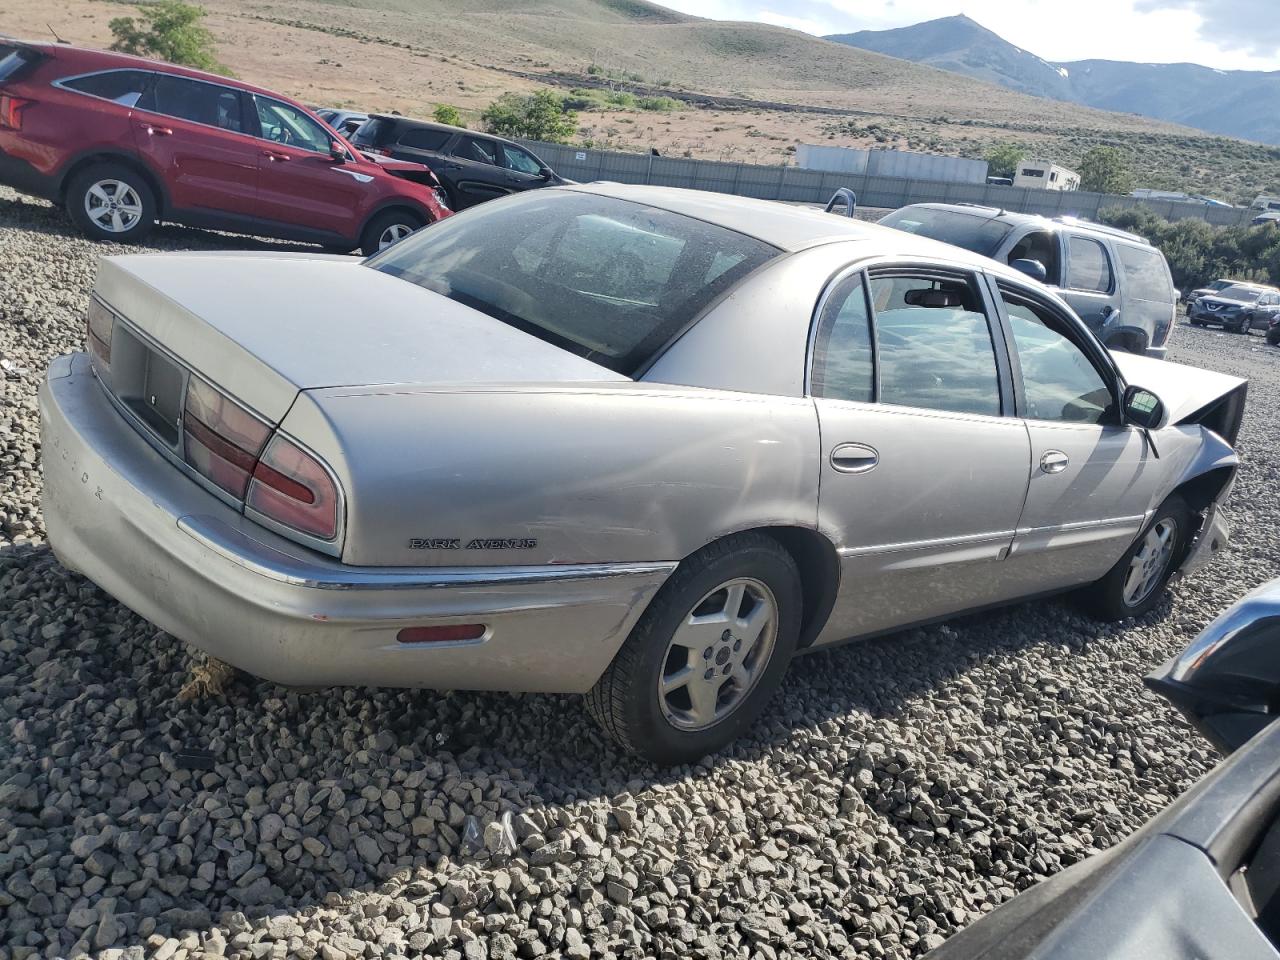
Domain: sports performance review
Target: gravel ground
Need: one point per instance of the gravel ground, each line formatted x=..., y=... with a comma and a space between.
x=895, y=791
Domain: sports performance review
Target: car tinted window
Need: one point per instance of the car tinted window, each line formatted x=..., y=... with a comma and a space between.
x=424, y=139
x=183, y=99
x=1146, y=276
x=934, y=345
x=120, y=86
x=373, y=132
x=282, y=123
x=842, y=367
x=605, y=279
x=973, y=231
x=1090, y=269
x=1058, y=381
x=13, y=58
x=516, y=159
x=1041, y=246
x=481, y=151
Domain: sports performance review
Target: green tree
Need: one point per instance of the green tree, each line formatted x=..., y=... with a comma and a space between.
x=1003, y=160
x=538, y=116
x=170, y=30
x=1106, y=170
x=444, y=113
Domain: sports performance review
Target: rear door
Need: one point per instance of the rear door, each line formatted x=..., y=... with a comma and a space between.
x=1088, y=280
x=474, y=171
x=1092, y=477
x=196, y=134
x=299, y=184
x=924, y=468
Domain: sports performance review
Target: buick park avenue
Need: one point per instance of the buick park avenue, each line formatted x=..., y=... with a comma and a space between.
x=639, y=443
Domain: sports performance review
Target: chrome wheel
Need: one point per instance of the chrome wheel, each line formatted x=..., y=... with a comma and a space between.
x=1147, y=568
x=113, y=206
x=393, y=234
x=717, y=655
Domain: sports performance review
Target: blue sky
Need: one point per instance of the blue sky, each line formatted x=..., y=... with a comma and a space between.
x=1226, y=34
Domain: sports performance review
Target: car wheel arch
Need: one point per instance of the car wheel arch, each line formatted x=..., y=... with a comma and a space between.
x=396, y=206
x=108, y=156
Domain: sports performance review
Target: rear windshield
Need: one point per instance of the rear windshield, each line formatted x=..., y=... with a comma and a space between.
x=606, y=279
x=981, y=234
x=13, y=58
x=373, y=132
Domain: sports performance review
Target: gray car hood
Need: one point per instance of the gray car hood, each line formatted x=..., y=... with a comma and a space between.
x=266, y=325
x=1184, y=390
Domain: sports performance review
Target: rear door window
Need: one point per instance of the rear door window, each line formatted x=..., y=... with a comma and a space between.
x=423, y=139
x=208, y=103
x=1089, y=268
x=125, y=87
x=1145, y=273
x=476, y=150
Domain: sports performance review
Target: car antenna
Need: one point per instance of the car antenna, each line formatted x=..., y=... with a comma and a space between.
x=55, y=33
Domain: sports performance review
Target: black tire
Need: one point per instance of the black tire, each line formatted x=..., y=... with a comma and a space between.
x=1195, y=323
x=86, y=190
x=1245, y=325
x=1105, y=599
x=371, y=238
x=625, y=700
x=1273, y=336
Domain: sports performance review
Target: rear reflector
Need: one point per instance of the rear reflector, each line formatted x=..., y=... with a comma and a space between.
x=101, y=320
x=442, y=634
x=11, y=111
x=222, y=440
x=292, y=487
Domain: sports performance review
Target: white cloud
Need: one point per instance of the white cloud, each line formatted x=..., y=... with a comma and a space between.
x=816, y=27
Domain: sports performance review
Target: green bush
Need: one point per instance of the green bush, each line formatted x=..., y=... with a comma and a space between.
x=1003, y=160
x=536, y=116
x=660, y=104
x=1106, y=170
x=445, y=113
x=620, y=98
x=169, y=30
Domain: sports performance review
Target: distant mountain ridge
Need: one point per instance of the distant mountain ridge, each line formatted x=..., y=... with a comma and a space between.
x=1238, y=103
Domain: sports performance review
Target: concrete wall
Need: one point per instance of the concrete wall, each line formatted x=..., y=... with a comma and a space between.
x=902, y=164
x=816, y=186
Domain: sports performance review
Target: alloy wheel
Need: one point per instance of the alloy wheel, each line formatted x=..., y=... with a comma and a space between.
x=1147, y=568
x=113, y=205
x=394, y=234
x=718, y=654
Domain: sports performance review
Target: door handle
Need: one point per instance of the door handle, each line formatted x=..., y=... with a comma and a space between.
x=1054, y=461
x=276, y=157
x=854, y=458
x=155, y=131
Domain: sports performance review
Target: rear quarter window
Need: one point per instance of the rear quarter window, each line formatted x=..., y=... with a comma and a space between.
x=124, y=87
x=373, y=132
x=1146, y=274
x=15, y=59
x=425, y=139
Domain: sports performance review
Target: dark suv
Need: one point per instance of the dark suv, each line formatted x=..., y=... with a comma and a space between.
x=1238, y=307
x=1117, y=282
x=473, y=167
x=123, y=142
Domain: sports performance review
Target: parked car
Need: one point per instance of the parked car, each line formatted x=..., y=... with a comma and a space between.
x=122, y=142
x=1201, y=881
x=1213, y=287
x=1117, y=282
x=1238, y=307
x=346, y=122
x=629, y=441
x=474, y=167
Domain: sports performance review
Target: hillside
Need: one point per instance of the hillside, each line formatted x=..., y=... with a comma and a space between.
x=750, y=91
x=1239, y=103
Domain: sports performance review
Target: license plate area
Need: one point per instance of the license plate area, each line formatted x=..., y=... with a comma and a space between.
x=150, y=385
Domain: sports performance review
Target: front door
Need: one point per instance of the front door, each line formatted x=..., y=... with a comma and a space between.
x=523, y=170
x=196, y=133
x=923, y=470
x=1092, y=477
x=299, y=183
x=474, y=172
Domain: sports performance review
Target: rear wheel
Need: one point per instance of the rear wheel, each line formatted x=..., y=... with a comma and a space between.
x=388, y=228
x=110, y=201
x=1273, y=336
x=707, y=654
x=1136, y=583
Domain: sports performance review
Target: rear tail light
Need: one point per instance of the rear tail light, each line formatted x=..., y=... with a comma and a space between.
x=222, y=439
x=100, y=322
x=11, y=108
x=292, y=487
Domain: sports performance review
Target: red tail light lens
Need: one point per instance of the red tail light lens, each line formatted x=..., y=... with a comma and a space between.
x=292, y=487
x=100, y=322
x=11, y=111
x=222, y=439
x=447, y=633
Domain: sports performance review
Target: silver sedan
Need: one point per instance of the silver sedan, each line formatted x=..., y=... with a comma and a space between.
x=640, y=443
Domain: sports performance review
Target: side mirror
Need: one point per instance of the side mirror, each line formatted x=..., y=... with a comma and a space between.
x=1143, y=408
x=337, y=151
x=1032, y=268
x=546, y=173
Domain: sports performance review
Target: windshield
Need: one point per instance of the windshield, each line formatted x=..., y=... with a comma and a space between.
x=973, y=231
x=606, y=279
x=1246, y=294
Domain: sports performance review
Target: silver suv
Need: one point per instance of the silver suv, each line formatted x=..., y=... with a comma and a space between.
x=1116, y=281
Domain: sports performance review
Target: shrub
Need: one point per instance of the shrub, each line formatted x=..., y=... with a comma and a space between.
x=1105, y=170
x=660, y=104
x=445, y=113
x=537, y=116
x=170, y=30
x=1003, y=160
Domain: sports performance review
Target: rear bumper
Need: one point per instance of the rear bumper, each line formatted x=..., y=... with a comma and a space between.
x=123, y=516
x=25, y=178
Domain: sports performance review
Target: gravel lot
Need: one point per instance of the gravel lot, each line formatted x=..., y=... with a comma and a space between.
x=895, y=791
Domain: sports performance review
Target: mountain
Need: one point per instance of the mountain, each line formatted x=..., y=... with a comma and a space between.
x=1238, y=103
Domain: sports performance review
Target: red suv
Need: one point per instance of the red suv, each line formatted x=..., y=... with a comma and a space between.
x=122, y=142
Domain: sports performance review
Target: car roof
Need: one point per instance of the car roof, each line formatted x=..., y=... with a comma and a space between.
x=430, y=125
x=978, y=211
x=791, y=227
